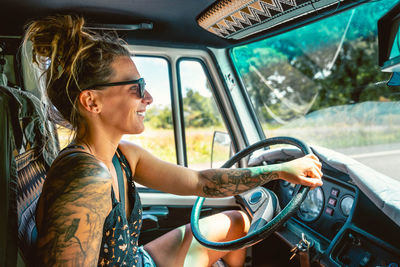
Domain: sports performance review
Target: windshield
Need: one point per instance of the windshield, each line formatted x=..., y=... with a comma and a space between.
x=322, y=84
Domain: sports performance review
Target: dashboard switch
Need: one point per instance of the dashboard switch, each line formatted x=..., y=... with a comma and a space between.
x=332, y=202
x=329, y=211
x=335, y=192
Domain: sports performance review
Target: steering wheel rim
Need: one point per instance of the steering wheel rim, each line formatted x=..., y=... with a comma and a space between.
x=259, y=234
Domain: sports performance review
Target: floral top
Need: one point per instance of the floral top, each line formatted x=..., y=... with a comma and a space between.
x=120, y=234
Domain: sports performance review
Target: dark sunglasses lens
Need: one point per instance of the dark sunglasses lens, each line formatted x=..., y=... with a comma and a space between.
x=141, y=88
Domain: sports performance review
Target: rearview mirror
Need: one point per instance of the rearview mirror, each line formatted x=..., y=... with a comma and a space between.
x=389, y=44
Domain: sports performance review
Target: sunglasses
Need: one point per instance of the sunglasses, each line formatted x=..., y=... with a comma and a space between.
x=140, y=83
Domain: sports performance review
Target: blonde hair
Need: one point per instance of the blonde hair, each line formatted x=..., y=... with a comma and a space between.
x=72, y=58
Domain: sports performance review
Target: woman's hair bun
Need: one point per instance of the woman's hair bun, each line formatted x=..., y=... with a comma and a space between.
x=57, y=42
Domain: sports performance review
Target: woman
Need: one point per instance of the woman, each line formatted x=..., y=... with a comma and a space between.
x=89, y=212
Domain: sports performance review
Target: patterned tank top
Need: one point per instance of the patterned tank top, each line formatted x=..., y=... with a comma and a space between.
x=120, y=234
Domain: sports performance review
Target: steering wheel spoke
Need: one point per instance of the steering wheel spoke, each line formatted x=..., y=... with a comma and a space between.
x=261, y=204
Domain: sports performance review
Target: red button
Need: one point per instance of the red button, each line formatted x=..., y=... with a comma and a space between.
x=332, y=202
x=335, y=192
x=329, y=211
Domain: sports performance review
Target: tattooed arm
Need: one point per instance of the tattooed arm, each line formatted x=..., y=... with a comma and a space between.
x=167, y=177
x=75, y=201
x=227, y=182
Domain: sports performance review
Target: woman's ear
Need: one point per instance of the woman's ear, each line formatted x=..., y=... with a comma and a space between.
x=90, y=101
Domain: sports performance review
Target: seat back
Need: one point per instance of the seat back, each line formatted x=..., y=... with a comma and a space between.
x=31, y=173
x=32, y=147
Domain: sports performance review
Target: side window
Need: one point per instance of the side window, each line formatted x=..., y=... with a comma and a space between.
x=201, y=115
x=158, y=136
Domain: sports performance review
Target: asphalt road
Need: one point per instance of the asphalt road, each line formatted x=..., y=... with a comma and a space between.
x=383, y=158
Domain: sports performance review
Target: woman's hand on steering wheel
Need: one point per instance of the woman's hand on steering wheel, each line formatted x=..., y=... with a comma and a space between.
x=261, y=201
x=305, y=171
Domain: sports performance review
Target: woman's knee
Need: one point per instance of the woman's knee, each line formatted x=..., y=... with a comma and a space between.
x=240, y=222
x=180, y=245
x=225, y=226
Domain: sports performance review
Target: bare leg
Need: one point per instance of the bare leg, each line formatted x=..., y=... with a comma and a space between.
x=179, y=248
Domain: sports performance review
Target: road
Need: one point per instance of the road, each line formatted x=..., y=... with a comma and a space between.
x=383, y=158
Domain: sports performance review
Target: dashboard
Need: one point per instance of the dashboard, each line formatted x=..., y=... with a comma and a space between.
x=325, y=208
x=344, y=227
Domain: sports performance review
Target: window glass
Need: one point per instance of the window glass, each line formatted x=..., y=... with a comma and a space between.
x=158, y=136
x=321, y=83
x=201, y=116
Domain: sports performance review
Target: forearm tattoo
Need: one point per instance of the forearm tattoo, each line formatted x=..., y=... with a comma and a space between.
x=228, y=182
x=76, y=201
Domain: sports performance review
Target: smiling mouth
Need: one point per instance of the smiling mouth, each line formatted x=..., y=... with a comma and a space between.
x=141, y=113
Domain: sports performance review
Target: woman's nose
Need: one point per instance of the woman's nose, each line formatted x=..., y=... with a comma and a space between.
x=147, y=97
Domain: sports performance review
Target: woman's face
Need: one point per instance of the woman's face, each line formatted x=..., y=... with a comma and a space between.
x=122, y=109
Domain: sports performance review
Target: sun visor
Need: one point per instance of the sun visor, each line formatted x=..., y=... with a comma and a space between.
x=236, y=19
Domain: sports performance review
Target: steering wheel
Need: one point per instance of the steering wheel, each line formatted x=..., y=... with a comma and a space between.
x=259, y=202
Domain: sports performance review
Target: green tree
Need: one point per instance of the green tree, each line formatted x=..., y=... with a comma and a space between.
x=159, y=117
x=199, y=111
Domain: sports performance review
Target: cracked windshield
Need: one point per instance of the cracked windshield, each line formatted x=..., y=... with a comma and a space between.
x=322, y=84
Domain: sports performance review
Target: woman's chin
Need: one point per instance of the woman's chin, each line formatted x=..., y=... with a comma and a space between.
x=137, y=130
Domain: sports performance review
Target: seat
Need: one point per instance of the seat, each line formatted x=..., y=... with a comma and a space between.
x=29, y=145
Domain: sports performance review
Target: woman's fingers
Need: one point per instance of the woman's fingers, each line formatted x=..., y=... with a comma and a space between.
x=305, y=171
x=311, y=182
x=316, y=169
x=314, y=173
x=320, y=172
